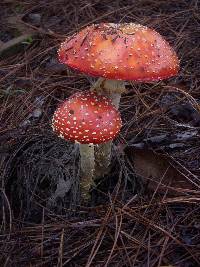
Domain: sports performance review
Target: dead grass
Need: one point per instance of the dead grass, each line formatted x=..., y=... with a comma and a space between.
x=126, y=223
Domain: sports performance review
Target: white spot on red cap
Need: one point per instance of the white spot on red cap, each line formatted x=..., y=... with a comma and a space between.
x=90, y=125
x=128, y=47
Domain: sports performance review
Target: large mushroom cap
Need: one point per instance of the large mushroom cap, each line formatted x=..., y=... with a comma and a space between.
x=120, y=52
x=87, y=118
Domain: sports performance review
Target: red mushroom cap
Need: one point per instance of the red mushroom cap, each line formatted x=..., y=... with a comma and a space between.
x=87, y=118
x=120, y=51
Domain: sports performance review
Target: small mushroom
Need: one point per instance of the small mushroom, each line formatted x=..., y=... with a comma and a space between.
x=87, y=118
x=117, y=53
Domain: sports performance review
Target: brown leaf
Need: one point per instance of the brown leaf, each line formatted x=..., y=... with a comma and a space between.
x=157, y=171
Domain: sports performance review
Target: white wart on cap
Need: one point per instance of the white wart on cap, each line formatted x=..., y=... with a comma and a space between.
x=87, y=118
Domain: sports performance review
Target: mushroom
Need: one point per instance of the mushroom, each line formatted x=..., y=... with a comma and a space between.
x=117, y=53
x=87, y=118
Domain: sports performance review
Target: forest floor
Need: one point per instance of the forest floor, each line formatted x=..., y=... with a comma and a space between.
x=146, y=211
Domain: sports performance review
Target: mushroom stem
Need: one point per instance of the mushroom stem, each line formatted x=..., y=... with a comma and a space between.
x=87, y=169
x=102, y=159
x=112, y=89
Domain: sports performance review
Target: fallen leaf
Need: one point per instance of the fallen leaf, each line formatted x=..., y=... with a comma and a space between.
x=156, y=171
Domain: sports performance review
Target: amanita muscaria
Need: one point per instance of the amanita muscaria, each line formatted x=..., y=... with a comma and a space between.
x=117, y=53
x=87, y=118
x=128, y=51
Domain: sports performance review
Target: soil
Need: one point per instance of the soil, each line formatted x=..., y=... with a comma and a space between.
x=145, y=212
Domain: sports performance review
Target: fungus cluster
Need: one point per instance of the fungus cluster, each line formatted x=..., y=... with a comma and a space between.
x=115, y=53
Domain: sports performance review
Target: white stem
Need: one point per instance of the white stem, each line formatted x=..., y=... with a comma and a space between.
x=87, y=168
x=112, y=89
x=102, y=159
x=115, y=97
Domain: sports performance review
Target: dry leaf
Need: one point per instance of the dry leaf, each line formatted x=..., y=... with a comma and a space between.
x=157, y=172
